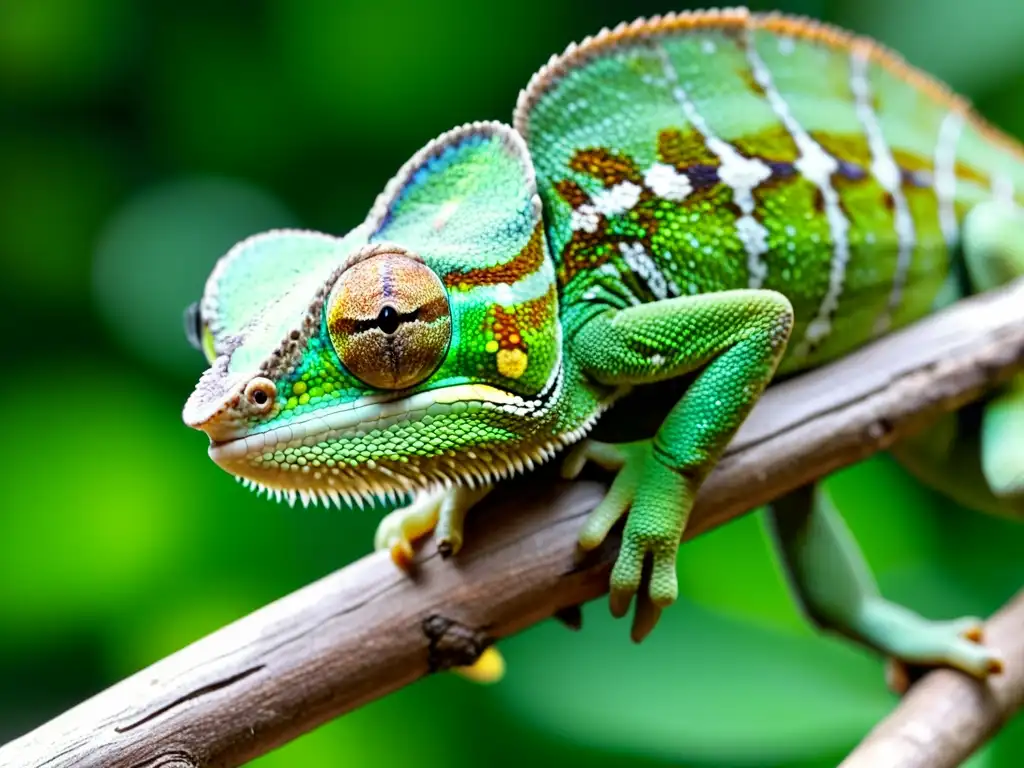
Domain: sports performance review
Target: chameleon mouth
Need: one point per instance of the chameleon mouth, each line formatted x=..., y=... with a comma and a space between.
x=328, y=457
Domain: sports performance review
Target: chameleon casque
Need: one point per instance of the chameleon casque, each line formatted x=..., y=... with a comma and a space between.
x=717, y=194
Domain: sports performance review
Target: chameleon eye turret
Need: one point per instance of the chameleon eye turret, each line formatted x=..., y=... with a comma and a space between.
x=389, y=320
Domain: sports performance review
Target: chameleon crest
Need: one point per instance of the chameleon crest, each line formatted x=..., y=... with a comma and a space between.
x=718, y=195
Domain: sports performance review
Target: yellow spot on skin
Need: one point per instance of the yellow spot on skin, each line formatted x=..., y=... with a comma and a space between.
x=492, y=346
x=512, y=363
x=299, y=387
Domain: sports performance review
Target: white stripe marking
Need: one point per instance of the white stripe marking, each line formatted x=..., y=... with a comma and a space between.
x=606, y=202
x=884, y=168
x=945, y=175
x=817, y=166
x=668, y=183
x=741, y=174
x=641, y=264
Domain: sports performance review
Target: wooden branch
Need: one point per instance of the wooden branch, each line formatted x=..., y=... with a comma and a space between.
x=947, y=715
x=367, y=629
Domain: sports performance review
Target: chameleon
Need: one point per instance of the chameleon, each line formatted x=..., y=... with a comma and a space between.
x=721, y=195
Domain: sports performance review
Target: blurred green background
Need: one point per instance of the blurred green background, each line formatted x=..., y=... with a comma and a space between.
x=138, y=141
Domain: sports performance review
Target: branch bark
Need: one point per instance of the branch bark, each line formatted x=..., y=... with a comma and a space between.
x=948, y=715
x=367, y=630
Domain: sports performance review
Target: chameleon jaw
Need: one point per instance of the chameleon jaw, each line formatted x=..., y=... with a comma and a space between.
x=318, y=458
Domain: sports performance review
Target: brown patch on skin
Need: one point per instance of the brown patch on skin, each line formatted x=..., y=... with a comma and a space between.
x=605, y=165
x=819, y=201
x=579, y=254
x=684, y=149
x=773, y=145
x=571, y=192
x=852, y=147
x=526, y=262
x=590, y=250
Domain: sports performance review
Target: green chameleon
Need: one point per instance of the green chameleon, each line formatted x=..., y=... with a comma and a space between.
x=718, y=194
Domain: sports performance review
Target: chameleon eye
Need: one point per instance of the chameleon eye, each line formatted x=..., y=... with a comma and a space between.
x=389, y=320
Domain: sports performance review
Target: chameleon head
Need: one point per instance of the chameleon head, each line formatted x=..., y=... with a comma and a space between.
x=423, y=348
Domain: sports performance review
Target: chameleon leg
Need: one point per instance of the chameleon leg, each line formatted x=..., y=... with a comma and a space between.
x=836, y=589
x=442, y=511
x=735, y=339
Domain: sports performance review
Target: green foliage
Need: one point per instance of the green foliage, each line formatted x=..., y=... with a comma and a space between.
x=137, y=141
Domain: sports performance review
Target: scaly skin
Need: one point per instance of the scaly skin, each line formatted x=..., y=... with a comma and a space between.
x=717, y=194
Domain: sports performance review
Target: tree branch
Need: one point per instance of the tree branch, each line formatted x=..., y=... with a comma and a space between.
x=947, y=715
x=367, y=630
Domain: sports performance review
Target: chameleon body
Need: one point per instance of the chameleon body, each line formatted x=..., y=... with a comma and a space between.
x=719, y=194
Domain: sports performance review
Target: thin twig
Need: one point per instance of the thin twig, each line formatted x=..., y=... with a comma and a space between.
x=947, y=715
x=367, y=629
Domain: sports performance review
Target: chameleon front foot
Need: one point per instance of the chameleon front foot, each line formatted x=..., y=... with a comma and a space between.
x=442, y=511
x=654, y=496
x=401, y=527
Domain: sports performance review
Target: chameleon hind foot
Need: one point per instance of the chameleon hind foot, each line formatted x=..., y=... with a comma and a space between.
x=911, y=640
x=652, y=494
x=832, y=582
x=442, y=511
x=957, y=643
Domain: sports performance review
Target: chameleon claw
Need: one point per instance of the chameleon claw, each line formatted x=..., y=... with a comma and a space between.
x=975, y=634
x=402, y=554
x=644, y=619
x=619, y=602
x=897, y=676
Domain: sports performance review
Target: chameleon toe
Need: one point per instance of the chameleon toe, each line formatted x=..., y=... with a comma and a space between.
x=645, y=618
